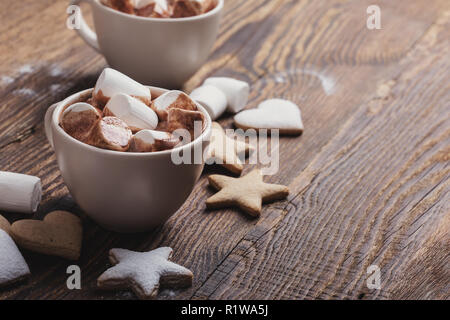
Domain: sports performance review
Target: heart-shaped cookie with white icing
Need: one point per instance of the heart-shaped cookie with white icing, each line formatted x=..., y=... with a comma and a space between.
x=273, y=114
x=59, y=234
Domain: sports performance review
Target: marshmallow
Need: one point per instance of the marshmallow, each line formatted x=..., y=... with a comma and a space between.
x=120, y=5
x=19, y=192
x=152, y=8
x=79, y=119
x=152, y=141
x=133, y=112
x=139, y=4
x=172, y=99
x=112, y=82
x=208, y=5
x=192, y=121
x=187, y=8
x=236, y=91
x=212, y=99
x=12, y=264
x=111, y=133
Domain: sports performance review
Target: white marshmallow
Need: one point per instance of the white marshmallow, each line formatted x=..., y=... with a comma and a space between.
x=139, y=4
x=212, y=99
x=151, y=141
x=150, y=136
x=112, y=82
x=164, y=101
x=236, y=91
x=19, y=192
x=136, y=114
x=111, y=133
x=79, y=107
x=12, y=264
x=79, y=119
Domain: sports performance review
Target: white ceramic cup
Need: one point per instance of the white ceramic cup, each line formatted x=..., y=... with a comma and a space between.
x=162, y=52
x=121, y=191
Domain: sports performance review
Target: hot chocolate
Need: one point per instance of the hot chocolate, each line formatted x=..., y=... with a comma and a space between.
x=121, y=115
x=162, y=8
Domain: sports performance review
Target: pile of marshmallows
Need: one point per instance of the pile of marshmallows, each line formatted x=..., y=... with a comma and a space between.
x=162, y=8
x=121, y=116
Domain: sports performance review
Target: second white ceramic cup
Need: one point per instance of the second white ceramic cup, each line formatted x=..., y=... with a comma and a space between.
x=156, y=51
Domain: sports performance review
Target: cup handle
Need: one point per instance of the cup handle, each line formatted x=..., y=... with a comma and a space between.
x=86, y=33
x=48, y=124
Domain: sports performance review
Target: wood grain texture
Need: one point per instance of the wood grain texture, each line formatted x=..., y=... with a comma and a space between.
x=369, y=177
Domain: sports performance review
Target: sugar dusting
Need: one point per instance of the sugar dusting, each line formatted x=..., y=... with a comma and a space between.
x=56, y=71
x=279, y=79
x=327, y=82
x=25, y=92
x=26, y=69
x=7, y=80
x=55, y=87
x=50, y=69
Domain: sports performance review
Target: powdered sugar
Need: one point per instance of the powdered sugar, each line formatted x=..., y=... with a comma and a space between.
x=7, y=80
x=327, y=82
x=25, y=92
x=143, y=271
x=26, y=69
x=56, y=71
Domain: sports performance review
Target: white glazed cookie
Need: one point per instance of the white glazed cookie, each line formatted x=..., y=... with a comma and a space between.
x=144, y=272
x=271, y=114
x=13, y=267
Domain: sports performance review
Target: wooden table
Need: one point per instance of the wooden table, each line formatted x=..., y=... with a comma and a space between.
x=369, y=178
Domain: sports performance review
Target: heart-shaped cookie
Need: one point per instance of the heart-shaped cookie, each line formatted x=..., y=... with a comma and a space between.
x=13, y=267
x=59, y=234
x=279, y=114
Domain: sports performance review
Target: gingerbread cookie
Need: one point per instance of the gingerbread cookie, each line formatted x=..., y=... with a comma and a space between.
x=248, y=192
x=13, y=267
x=59, y=234
x=225, y=150
x=273, y=114
x=4, y=224
x=144, y=272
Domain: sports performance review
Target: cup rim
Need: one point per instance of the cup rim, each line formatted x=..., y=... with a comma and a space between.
x=214, y=11
x=55, y=122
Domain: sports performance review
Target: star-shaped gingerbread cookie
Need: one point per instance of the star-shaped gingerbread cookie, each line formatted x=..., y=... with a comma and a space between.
x=248, y=192
x=225, y=151
x=144, y=272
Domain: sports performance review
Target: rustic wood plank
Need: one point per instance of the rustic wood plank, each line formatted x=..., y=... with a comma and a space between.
x=372, y=196
x=346, y=79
